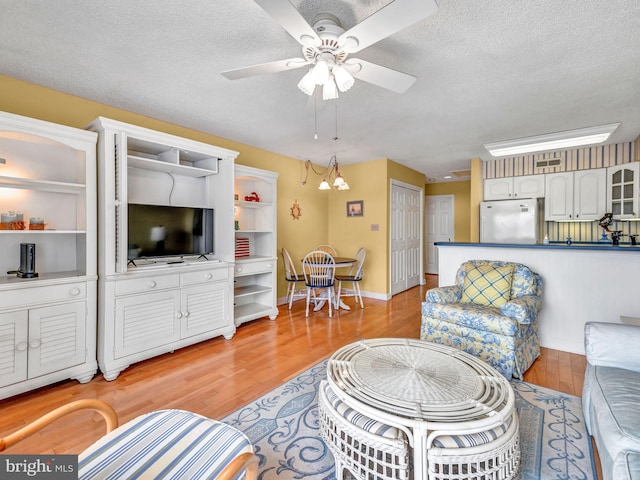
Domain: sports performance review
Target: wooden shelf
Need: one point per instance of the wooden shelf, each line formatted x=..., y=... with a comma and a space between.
x=42, y=185
x=160, y=166
x=42, y=232
x=251, y=310
x=244, y=204
x=248, y=290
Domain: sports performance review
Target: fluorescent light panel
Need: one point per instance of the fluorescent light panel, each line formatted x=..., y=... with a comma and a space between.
x=552, y=141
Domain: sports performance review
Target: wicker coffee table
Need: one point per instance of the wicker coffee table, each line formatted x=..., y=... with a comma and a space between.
x=455, y=412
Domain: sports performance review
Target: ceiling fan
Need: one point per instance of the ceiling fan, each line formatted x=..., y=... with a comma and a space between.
x=326, y=47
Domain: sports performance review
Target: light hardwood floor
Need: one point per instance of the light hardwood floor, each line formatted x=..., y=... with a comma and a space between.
x=218, y=376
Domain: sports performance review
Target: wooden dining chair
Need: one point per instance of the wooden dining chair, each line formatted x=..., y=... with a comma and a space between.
x=354, y=276
x=327, y=248
x=293, y=278
x=319, y=269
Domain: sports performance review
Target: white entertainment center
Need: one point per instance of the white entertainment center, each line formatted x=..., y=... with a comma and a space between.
x=48, y=201
x=153, y=305
x=118, y=245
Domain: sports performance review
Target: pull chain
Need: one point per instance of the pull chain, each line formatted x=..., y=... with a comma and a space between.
x=315, y=116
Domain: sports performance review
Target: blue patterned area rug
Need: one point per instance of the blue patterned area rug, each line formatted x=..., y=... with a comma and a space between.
x=283, y=427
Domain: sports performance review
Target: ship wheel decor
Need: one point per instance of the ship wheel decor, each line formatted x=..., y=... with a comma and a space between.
x=296, y=211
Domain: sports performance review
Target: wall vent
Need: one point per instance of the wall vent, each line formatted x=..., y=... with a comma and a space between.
x=549, y=162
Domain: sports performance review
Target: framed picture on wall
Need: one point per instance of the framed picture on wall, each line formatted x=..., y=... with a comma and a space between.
x=355, y=208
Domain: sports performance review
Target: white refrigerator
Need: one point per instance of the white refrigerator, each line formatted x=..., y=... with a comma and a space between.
x=510, y=221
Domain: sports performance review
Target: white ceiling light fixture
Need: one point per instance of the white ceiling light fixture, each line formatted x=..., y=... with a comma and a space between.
x=344, y=80
x=307, y=84
x=552, y=141
x=329, y=90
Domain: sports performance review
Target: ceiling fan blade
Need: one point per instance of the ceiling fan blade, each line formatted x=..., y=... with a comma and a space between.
x=378, y=75
x=291, y=20
x=390, y=19
x=265, y=68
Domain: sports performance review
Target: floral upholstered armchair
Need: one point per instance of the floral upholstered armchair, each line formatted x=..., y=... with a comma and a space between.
x=491, y=313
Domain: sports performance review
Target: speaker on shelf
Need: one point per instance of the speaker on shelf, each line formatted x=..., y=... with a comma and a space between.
x=27, y=261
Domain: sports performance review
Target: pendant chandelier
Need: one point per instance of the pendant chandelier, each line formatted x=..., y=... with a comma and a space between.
x=330, y=175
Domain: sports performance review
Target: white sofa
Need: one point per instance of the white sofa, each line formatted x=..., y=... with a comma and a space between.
x=611, y=395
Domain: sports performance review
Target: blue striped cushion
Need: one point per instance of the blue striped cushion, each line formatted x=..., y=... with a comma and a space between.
x=171, y=444
x=360, y=420
x=472, y=439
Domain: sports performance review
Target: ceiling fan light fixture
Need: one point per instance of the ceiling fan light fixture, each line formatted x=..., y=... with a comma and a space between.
x=344, y=80
x=307, y=84
x=329, y=90
x=321, y=72
x=324, y=185
x=339, y=181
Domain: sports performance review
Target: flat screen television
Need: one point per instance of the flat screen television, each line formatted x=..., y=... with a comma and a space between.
x=164, y=231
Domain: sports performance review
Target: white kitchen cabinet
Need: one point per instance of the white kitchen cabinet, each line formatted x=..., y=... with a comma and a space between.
x=524, y=186
x=255, y=291
x=148, y=304
x=623, y=183
x=47, y=175
x=578, y=195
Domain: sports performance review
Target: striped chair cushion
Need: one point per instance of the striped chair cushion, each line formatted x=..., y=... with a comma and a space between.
x=358, y=419
x=472, y=439
x=379, y=428
x=168, y=444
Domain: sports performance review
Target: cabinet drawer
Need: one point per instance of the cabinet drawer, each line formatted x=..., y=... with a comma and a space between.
x=38, y=295
x=204, y=276
x=147, y=284
x=254, y=267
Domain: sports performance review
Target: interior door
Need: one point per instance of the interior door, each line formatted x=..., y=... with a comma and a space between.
x=406, y=236
x=439, y=227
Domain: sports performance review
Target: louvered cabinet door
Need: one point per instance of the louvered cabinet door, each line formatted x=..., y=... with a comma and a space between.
x=13, y=347
x=147, y=321
x=204, y=309
x=57, y=338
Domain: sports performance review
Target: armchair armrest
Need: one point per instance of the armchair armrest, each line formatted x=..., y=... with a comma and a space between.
x=448, y=294
x=523, y=309
x=612, y=345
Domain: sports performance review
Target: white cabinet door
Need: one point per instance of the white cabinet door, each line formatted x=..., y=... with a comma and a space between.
x=146, y=321
x=203, y=309
x=528, y=186
x=622, y=190
x=498, y=188
x=14, y=347
x=558, y=203
x=589, y=194
x=57, y=337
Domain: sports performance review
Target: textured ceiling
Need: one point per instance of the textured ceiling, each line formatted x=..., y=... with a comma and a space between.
x=487, y=71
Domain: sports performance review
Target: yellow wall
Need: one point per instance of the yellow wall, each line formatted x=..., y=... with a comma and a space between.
x=371, y=183
x=461, y=192
x=323, y=217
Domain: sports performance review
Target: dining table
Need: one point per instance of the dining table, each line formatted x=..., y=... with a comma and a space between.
x=341, y=262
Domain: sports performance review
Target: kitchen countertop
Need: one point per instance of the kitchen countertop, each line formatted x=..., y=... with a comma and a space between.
x=624, y=247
